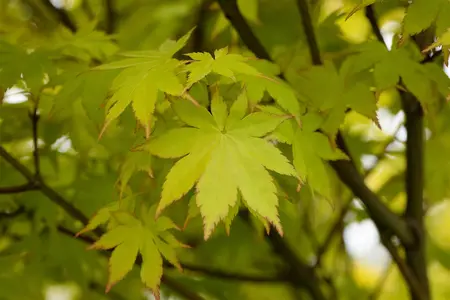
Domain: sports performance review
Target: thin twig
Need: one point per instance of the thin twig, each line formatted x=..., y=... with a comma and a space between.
x=109, y=16
x=62, y=15
x=404, y=269
x=339, y=221
x=308, y=28
x=44, y=188
x=34, y=116
x=19, y=188
x=415, y=271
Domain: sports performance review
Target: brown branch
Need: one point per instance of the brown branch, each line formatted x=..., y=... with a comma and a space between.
x=18, y=188
x=231, y=11
x=44, y=188
x=234, y=276
x=415, y=254
x=415, y=272
x=34, y=116
x=413, y=284
x=370, y=15
x=346, y=170
x=61, y=14
x=109, y=16
x=308, y=29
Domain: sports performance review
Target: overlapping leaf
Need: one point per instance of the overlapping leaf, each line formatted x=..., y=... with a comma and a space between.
x=223, y=153
x=223, y=63
x=146, y=74
x=130, y=236
x=337, y=96
x=310, y=150
x=391, y=66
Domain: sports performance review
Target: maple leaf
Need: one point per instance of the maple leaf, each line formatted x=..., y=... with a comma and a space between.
x=146, y=75
x=130, y=236
x=421, y=14
x=337, y=97
x=223, y=156
x=391, y=66
x=280, y=91
x=310, y=150
x=223, y=63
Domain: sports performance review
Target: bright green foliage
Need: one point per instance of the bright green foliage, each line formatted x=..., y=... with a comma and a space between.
x=310, y=149
x=389, y=67
x=130, y=236
x=338, y=95
x=420, y=14
x=146, y=74
x=223, y=63
x=224, y=154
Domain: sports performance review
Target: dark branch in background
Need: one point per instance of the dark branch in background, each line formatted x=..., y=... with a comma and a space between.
x=34, y=116
x=109, y=16
x=11, y=215
x=415, y=254
x=61, y=14
x=44, y=188
x=308, y=29
x=231, y=11
x=415, y=272
x=413, y=284
x=30, y=186
x=337, y=227
x=346, y=170
x=370, y=15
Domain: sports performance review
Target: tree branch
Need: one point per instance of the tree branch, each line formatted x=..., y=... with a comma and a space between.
x=18, y=188
x=413, y=284
x=44, y=188
x=34, y=116
x=346, y=170
x=370, y=15
x=231, y=11
x=415, y=253
x=382, y=216
x=63, y=17
x=280, y=277
x=308, y=28
x=109, y=16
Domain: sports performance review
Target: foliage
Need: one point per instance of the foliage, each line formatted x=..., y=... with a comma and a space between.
x=181, y=136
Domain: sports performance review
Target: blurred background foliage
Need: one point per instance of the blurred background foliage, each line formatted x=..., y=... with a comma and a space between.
x=48, y=43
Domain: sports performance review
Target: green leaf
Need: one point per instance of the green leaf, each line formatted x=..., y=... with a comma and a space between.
x=101, y=217
x=152, y=264
x=237, y=110
x=309, y=150
x=184, y=174
x=420, y=15
x=224, y=162
x=195, y=116
x=225, y=64
x=217, y=187
x=173, y=143
x=122, y=258
x=219, y=110
x=256, y=124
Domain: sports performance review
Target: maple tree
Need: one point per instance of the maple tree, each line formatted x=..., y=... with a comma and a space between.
x=215, y=149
